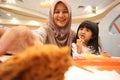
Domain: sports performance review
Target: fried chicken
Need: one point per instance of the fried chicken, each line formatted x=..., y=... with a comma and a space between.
x=41, y=62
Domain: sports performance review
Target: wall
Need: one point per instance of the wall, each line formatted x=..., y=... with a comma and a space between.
x=110, y=42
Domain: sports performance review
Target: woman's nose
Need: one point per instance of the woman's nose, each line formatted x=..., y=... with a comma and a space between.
x=61, y=14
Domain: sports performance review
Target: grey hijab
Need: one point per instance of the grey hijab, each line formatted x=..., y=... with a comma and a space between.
x=56, y=35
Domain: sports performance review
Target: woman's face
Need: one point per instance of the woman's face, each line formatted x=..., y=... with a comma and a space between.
x=85, y=34
x=60, y=15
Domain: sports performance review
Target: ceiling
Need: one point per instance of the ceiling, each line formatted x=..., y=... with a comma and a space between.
x=30, y=10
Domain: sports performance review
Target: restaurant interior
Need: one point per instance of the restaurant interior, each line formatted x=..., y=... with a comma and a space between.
x=34, y=13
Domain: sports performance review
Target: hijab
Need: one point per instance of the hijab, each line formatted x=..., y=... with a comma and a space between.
x=56, y=35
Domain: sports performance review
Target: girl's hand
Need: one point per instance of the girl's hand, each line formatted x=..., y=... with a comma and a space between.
x=79, y=46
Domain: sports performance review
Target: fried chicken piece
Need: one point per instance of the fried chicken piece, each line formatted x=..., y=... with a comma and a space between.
x=41, y=62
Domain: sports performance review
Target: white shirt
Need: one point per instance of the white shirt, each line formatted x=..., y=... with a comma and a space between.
x=85, y=50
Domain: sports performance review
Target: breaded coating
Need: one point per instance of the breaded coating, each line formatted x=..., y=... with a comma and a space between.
x=41, y=62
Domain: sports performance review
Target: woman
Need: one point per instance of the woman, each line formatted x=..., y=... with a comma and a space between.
x=56, y=31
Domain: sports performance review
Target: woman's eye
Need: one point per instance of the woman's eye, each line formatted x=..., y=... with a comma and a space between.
x=66, y=11
x=56, y=12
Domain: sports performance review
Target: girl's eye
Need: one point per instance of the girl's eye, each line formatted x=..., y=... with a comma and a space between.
x=81, y=28
x=88, y=30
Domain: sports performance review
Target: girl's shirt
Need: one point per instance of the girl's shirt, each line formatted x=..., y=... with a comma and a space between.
x=85, y=50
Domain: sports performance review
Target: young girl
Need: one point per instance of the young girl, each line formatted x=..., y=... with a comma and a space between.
x=86, y=41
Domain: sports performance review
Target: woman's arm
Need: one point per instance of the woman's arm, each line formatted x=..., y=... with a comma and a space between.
x=2, y=30
x=41, y=34
x=17, y=39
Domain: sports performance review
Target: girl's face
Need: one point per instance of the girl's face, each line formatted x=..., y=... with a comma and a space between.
x=60, y=15
x=85, y=34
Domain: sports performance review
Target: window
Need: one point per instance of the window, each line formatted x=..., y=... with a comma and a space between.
x=115, y=27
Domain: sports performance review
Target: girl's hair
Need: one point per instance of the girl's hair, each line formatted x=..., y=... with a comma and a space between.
x=93, y=43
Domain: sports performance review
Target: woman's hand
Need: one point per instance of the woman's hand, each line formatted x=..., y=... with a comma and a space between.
x=17, y=39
